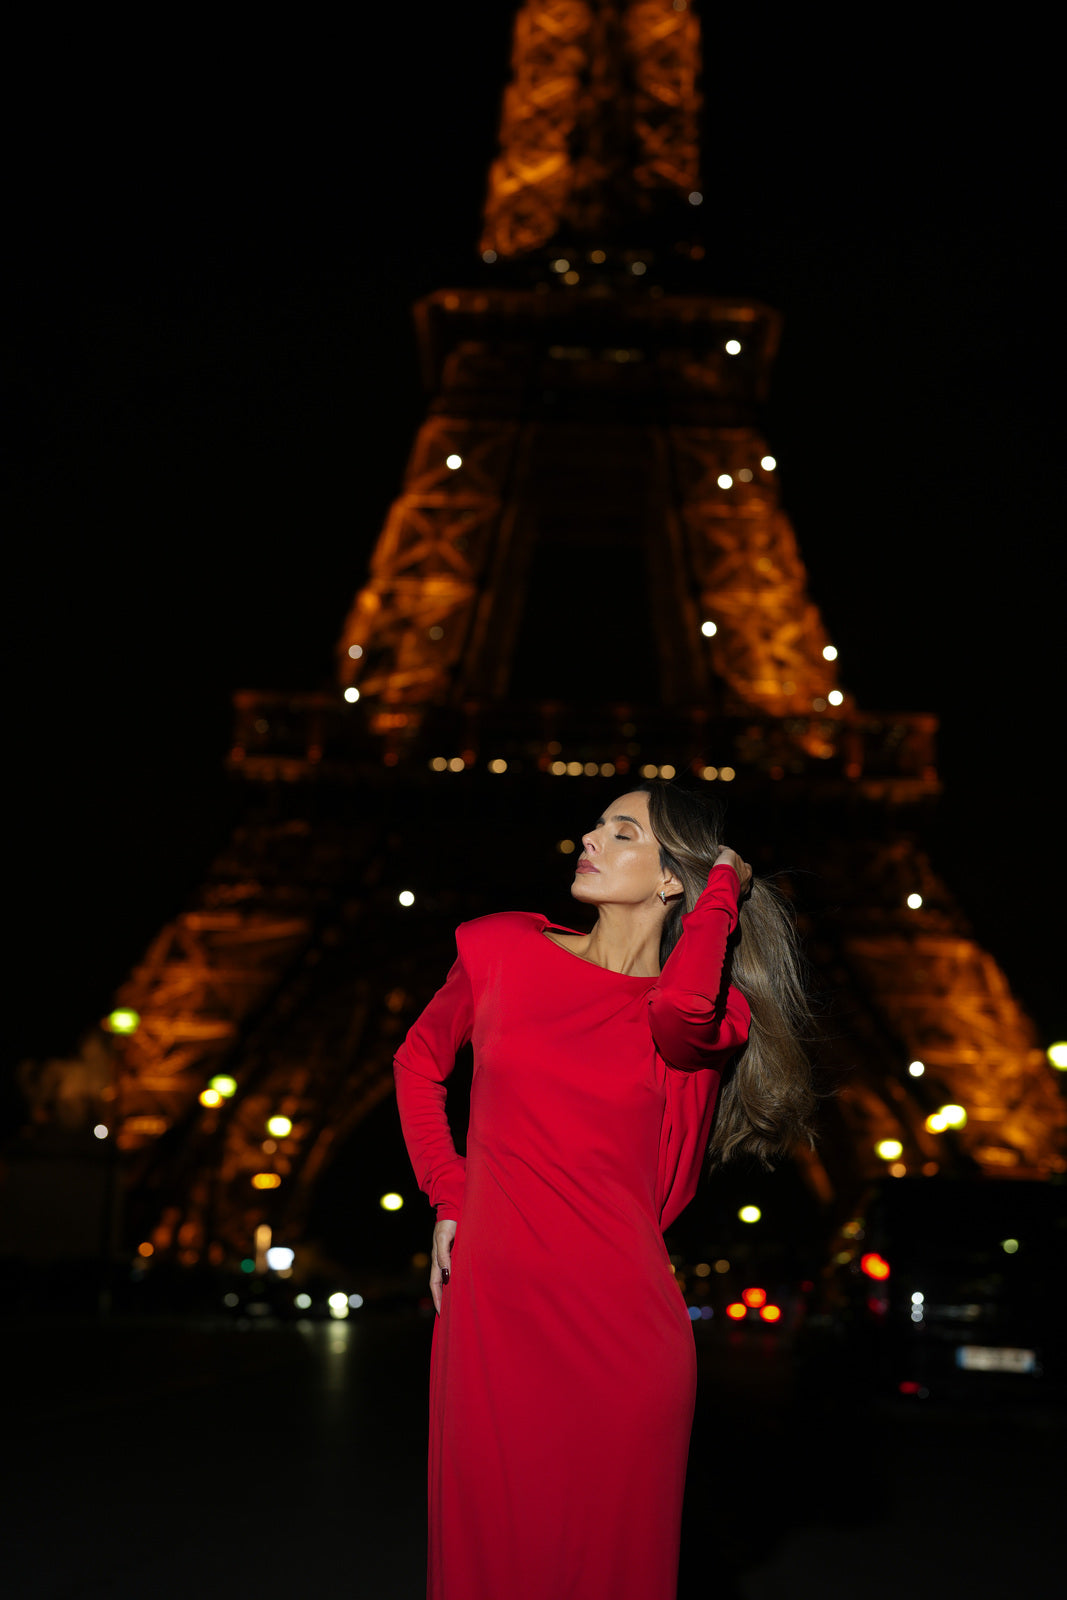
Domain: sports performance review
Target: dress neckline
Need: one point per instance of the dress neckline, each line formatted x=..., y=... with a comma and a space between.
x=558, y=927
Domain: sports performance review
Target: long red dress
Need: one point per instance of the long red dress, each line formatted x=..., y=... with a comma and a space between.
x=563, y=1372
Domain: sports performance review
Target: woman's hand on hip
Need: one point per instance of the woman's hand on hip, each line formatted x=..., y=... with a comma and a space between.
x=444, y=1235
x=730, y=858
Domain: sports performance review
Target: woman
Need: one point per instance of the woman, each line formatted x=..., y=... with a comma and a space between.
x=563, y=1372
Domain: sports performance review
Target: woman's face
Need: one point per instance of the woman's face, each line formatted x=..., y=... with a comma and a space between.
x=619, y=863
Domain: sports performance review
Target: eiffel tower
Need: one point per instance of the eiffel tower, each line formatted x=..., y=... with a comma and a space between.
x=587, y=576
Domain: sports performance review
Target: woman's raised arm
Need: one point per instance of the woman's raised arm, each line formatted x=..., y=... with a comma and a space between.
x=695, y=1016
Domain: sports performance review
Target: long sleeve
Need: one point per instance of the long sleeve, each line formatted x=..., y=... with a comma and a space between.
x=421, y=1066
x=695, y=1016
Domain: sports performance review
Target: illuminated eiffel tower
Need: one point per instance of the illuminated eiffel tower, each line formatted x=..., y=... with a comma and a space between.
x=586, y=575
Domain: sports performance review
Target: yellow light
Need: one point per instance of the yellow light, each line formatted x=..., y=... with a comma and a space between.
x=1009, y=1246
x=266, y=1180
x=722, y=1266
x=498, y=765
x=709, y=629
x=436, y=632
x=590, y=769
x=710, y=774
x=279, y=1127
x=829, y=652
x=574, y=769
x=457, y=764
x=917, y=1068
x=146, y=1249
x=935, y=1123
x=1057, y=1055
x=391, y=1201
x=649, y=771
x=598, y=257
x=571, y=276
x=835, y=697
x=727, y=774
x=338, y=1299
x=439, y=764
x=666, y=771
x=745, y=475
x=953, y=1116
x=695, y=196
x=607, y=769
x=210, y=1098
x=561, y=264
x=702, y=1269
x=733, y=347
x=566, y=847
x=453, y=463
x=768, y=463
x=898, y=1170
x=223, y=1084
x=355, y=651
x=724, y=481
x=351, y=695
x=914, y=901
x=889, y=1149
x=750, y=1213
x=406, y=897
x=558, y=769
x=123, y=1020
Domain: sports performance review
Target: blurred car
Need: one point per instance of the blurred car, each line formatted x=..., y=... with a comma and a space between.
x=948, y=1286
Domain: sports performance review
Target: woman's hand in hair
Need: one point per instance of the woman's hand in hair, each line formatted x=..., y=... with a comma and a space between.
x=730, y=858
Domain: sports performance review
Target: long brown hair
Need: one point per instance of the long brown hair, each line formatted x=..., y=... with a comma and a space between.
x=766, y=1103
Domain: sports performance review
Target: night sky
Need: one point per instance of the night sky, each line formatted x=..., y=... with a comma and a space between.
x=219, y=230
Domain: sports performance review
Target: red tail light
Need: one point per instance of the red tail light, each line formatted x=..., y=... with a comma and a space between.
x=770, y=1313
x=874, y=1265
x=736, y=1311
x=754, y=1297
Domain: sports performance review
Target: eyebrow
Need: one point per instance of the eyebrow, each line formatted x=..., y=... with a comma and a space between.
x=619, y=817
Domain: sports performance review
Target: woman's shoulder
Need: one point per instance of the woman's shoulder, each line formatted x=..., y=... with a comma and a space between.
x=499, y=928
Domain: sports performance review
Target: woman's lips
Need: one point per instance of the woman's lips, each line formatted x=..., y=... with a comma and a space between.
x=586, y=866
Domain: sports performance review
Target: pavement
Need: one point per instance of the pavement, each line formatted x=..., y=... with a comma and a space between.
x=165, y=1459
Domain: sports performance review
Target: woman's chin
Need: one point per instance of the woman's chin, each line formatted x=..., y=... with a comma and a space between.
x=581, y=888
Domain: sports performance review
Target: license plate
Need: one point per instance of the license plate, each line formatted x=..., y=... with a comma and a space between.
x=986, y=1358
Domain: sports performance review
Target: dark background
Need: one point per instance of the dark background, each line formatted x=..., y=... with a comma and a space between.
x=218, y=231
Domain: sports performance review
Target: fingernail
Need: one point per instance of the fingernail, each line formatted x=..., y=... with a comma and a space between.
x=445, y=1274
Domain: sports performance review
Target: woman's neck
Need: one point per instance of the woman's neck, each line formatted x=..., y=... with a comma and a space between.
x=625, y=939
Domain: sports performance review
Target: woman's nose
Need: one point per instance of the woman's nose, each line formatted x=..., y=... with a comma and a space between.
x=588, y=841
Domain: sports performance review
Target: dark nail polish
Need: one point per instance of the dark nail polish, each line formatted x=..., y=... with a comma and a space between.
x=444, y=1274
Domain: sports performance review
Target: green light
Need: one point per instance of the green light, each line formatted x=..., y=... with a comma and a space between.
x=123, y=1020
x=248, y=1266
x=224, y=1085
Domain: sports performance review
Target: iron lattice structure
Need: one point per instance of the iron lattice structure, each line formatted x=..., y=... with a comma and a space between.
x=589, y=419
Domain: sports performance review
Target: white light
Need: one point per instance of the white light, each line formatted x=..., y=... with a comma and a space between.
x=724, y=481
x=406, y=897
x=733, y=347
x=499, y=765
x=339, y=1313
x=279, y=1258
x=489, y=256
x=457, y=764
x=453, y=462
x=355, y=651
x=1057, y=1055
x=709, y=629
x=231, y=1299
x=917, y=1068
x=351, y=695
x=914, y=902
x=835, y=697
x=750, y=1213
x=695, y=196
x=302, y=1302
x=391, y=1201
x=768, y=463
x=355, y=1301
x=100, y=1131
x=917, y=1298
x=638, y=268
x=561, y=264
x=829, y=652
x=338, y=1299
